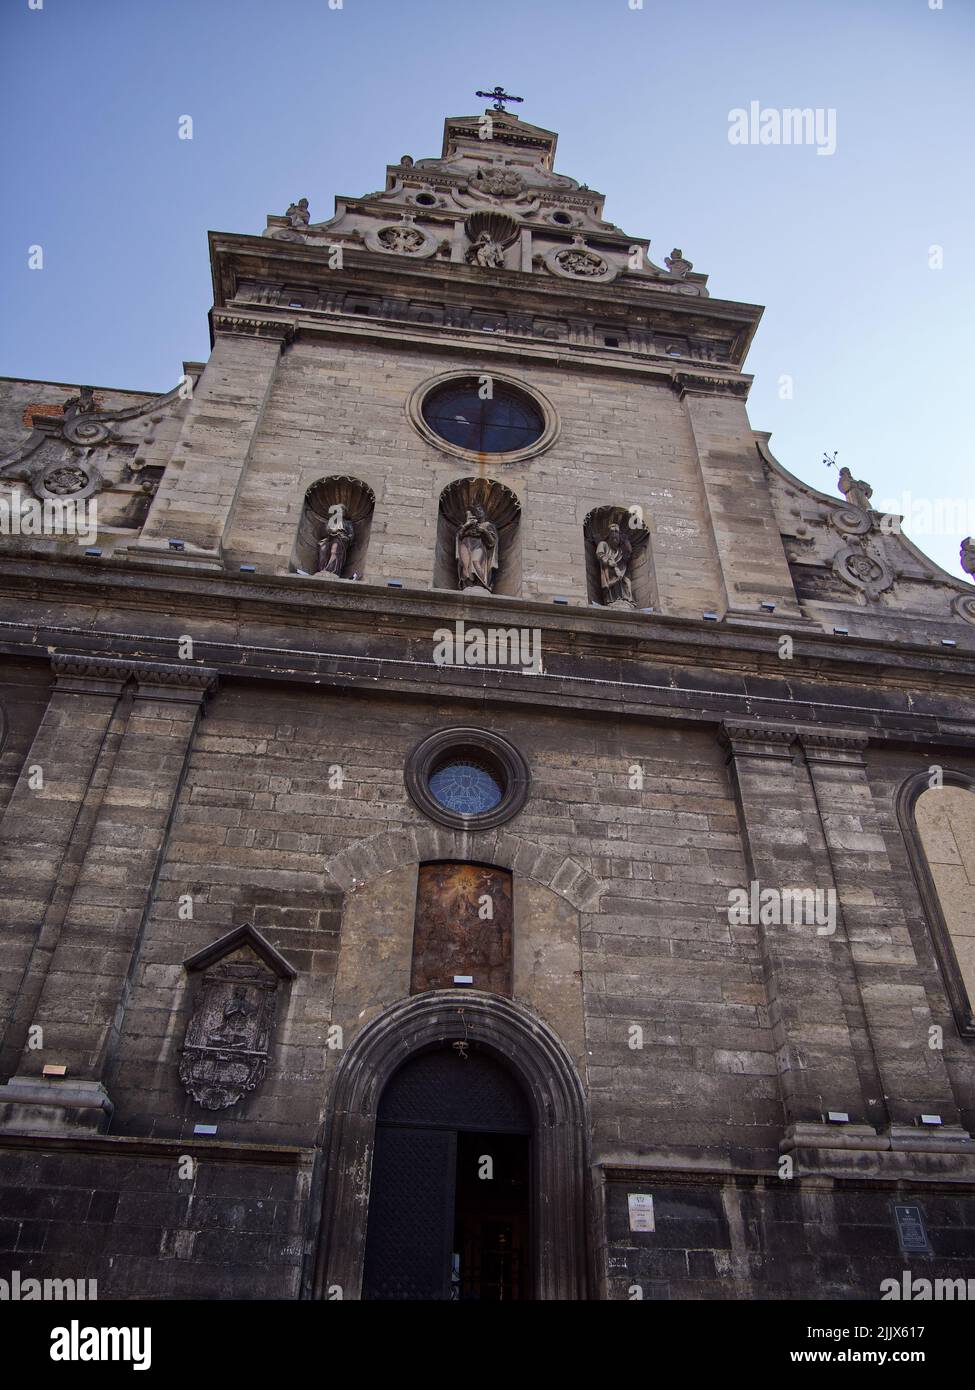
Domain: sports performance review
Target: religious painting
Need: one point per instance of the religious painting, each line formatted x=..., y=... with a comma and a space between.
x=462, y=929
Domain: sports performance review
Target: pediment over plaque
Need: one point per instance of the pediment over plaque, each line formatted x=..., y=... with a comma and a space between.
x=228, y=1038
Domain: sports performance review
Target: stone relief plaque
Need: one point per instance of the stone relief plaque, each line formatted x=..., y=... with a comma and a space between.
x=228, y=1038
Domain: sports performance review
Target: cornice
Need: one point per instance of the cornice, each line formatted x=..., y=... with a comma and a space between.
x=225, y=323
x=309, y=325
x=757, y=740
x=85, y=673
x=236, y=256
x=229, y=597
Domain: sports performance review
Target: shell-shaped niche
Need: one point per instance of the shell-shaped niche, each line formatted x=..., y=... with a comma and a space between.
x=500, y=226
x=501, y=507
x=641, y=572
x=322, y=501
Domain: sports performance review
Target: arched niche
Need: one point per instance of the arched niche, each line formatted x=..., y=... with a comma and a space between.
x=640, y=573
x=502, y=508
x=357, y=502
x=939, y=829
x=520, y=1041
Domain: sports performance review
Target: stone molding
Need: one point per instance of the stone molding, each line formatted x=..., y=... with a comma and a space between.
x=78, y=673
x=225, y=324
x=390, y=849
x=757, y=740
x=843, y=747
x=689, y=384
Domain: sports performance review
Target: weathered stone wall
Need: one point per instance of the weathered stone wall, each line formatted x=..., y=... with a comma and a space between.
x=124, y=1213
x=746, y=1237
x=340, y=407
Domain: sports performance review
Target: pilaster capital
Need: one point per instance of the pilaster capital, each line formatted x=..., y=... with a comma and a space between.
x=757, y=739
x=78, y=674
x=843, y=747
x=81, y=674
x=250, y=326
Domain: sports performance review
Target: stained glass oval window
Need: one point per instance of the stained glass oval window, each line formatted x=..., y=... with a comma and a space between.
x=501, y=424
x=466, y=786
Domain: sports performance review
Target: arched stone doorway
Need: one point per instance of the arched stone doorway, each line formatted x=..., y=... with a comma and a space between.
x=558, y=1256
x=450, y=1192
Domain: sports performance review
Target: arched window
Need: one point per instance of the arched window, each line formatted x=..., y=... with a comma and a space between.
x=939, y=822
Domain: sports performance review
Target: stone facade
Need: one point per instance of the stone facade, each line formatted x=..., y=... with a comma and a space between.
x=201, y=735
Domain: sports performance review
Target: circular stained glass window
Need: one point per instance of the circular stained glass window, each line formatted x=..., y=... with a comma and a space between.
x=504, y=422
x=467, y=787
x=470, y=779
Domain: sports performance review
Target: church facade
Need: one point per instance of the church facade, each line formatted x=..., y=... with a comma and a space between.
x=474, y=825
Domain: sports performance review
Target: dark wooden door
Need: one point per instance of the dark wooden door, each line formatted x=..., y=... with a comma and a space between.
x=411, y=1214
x=420, y=1243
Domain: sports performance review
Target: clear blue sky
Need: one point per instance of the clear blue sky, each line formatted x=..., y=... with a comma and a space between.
x=290, y=98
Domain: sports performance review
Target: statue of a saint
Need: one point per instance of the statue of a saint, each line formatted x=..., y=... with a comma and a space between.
x=967, y=555
x=486, y=252
x=613, y=555
x=477, y=551
x=298, y=214
x=333, y=548
x=677, y=264
x=855, y=490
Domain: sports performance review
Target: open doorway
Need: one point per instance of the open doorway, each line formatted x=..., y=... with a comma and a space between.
x=449, y=1199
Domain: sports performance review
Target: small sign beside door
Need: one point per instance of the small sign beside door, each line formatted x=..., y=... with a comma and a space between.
x=641, y=1211
x=910, y=1229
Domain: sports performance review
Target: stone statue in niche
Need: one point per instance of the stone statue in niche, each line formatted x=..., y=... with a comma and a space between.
x=856, y=491
x=228, y=1039
x=485, y=252
x=477, y=551
x=613, y=555
x=298, y=214
x=967, y=555
x=334, y=547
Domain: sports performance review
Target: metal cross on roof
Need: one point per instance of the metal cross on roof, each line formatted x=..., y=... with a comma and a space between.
x=499, y=96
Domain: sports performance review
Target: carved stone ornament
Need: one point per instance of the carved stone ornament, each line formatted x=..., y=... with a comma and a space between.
x=402, y=239
x=498, y=182
x=81, y=423
x=964, y=606
x=676, y=263
x=851, y=521
x=580, y=262
x=490, y=233
x=228, y=1038
x=862, y=571
x=66, y=480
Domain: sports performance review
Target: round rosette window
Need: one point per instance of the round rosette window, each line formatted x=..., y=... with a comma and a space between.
x=490, y=414
x=467, y=778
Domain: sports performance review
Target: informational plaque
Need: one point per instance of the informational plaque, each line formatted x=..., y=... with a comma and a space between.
x=641, y=1211
x=910, y=1228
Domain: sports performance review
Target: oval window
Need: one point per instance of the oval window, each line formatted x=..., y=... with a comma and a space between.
x=504, y=422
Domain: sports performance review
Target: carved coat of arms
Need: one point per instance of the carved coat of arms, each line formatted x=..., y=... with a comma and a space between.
x=227, y=1045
